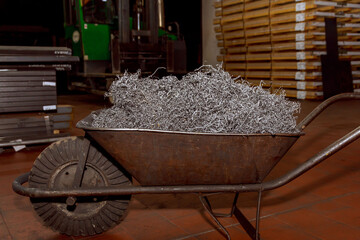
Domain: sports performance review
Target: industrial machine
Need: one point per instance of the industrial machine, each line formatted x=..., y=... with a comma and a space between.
x=113, y=36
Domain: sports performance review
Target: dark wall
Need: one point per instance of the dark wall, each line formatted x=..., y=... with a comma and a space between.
x=188, y=14
x=28, y=22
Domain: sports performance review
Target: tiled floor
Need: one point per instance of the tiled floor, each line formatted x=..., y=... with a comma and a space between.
x=321, y=204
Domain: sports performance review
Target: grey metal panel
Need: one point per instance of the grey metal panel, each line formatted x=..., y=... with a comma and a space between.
x=35, y=78
x=61, y=125
x=27, y=83
x=21, y=109
x=39, y=50
x=50, y=92
x=28, y=59
x=25, y=89
x=21, y=98
x=124, y=25
x=25, y=73
x=21, y=131
x=38, y=67
x=29, y=103
x=61, y=117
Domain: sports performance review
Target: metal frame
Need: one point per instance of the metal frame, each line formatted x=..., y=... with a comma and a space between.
x=201, y=189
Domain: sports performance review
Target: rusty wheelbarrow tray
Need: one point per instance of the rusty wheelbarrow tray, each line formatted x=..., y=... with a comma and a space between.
x=162, y=162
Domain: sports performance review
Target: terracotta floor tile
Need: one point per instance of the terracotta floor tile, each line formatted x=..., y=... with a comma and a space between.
x=280, y=202
x=153, y=226
x=198, y=223
x=4, y=233
x=351, y=200
x=327, y=207
x=117, y=233
x=14, y=202
x=285, y=233
x=234, y=233
x=31, y=229
x=349, y=216
x=319, y=225
x=6, y=184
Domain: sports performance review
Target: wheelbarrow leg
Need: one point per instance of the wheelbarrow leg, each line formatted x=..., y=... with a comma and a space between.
x=244, y=222
x=248, y=227
x=206, y=204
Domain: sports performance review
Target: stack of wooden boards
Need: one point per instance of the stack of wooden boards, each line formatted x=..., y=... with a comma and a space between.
x=28, y=84
x=278, y=43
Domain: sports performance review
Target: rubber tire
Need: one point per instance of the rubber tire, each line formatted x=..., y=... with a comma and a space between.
x=89, y=216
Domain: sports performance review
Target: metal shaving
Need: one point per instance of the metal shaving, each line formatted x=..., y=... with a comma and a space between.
x=207, y=100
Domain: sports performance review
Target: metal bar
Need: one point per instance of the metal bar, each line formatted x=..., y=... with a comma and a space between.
x=81, y=164
x=6, y=80
x=30, y=89
x=123, y=18
x=32, y=98
x=321, y=107
x=34, y=141
x=36, y=49
x=111, y=191
x=25, y=73
x=248, y=227
x=24, y=109
x=50, y=92
x=29, y=59
x=207, y=206
x=257, y=236
x=28, y=103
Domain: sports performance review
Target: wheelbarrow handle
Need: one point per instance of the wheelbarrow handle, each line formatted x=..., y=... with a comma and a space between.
x=309, y=118
x=313, y=161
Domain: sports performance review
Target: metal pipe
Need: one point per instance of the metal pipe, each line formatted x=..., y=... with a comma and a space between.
x=161, y=13
x=321, y=107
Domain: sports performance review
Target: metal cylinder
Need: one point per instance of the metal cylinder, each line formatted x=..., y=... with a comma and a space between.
x=161, y=13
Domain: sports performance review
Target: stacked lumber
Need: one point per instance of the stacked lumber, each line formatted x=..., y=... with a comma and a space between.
x=279, y=43
x=23, y=129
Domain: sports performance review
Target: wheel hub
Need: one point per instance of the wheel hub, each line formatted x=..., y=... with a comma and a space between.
x=82, y=207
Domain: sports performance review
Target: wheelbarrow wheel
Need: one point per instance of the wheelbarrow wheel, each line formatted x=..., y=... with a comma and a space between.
x=55, y=168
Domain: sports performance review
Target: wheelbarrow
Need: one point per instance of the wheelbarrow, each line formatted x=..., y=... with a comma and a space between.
x=83, y=185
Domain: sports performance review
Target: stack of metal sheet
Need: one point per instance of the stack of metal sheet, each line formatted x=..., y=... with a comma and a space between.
x=22, y=91
x=23, y=129
x=28, y=84
x=28, y=77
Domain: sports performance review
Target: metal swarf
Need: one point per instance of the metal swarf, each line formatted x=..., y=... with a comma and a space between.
x=207, y=100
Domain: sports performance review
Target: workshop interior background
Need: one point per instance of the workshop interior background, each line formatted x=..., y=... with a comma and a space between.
x=51, y=78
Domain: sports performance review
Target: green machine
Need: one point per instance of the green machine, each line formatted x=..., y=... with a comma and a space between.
x=113, y=36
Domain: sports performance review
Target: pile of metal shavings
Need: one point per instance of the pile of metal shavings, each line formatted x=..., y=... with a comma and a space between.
x=207, y=100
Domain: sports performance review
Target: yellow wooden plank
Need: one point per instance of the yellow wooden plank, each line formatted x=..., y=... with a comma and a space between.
x=292, y=7
x=292, y=37
x=295, y=65
x=237, y=25
x=258, y=40
x=235, y=42
x=260, y=48
x=234, y=50
x=292, y=17
x=294, y=46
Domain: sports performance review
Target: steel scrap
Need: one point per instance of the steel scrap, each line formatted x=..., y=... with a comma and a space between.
x=208, y=100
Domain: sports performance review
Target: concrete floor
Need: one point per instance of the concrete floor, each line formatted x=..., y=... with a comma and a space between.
x=323, y=203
